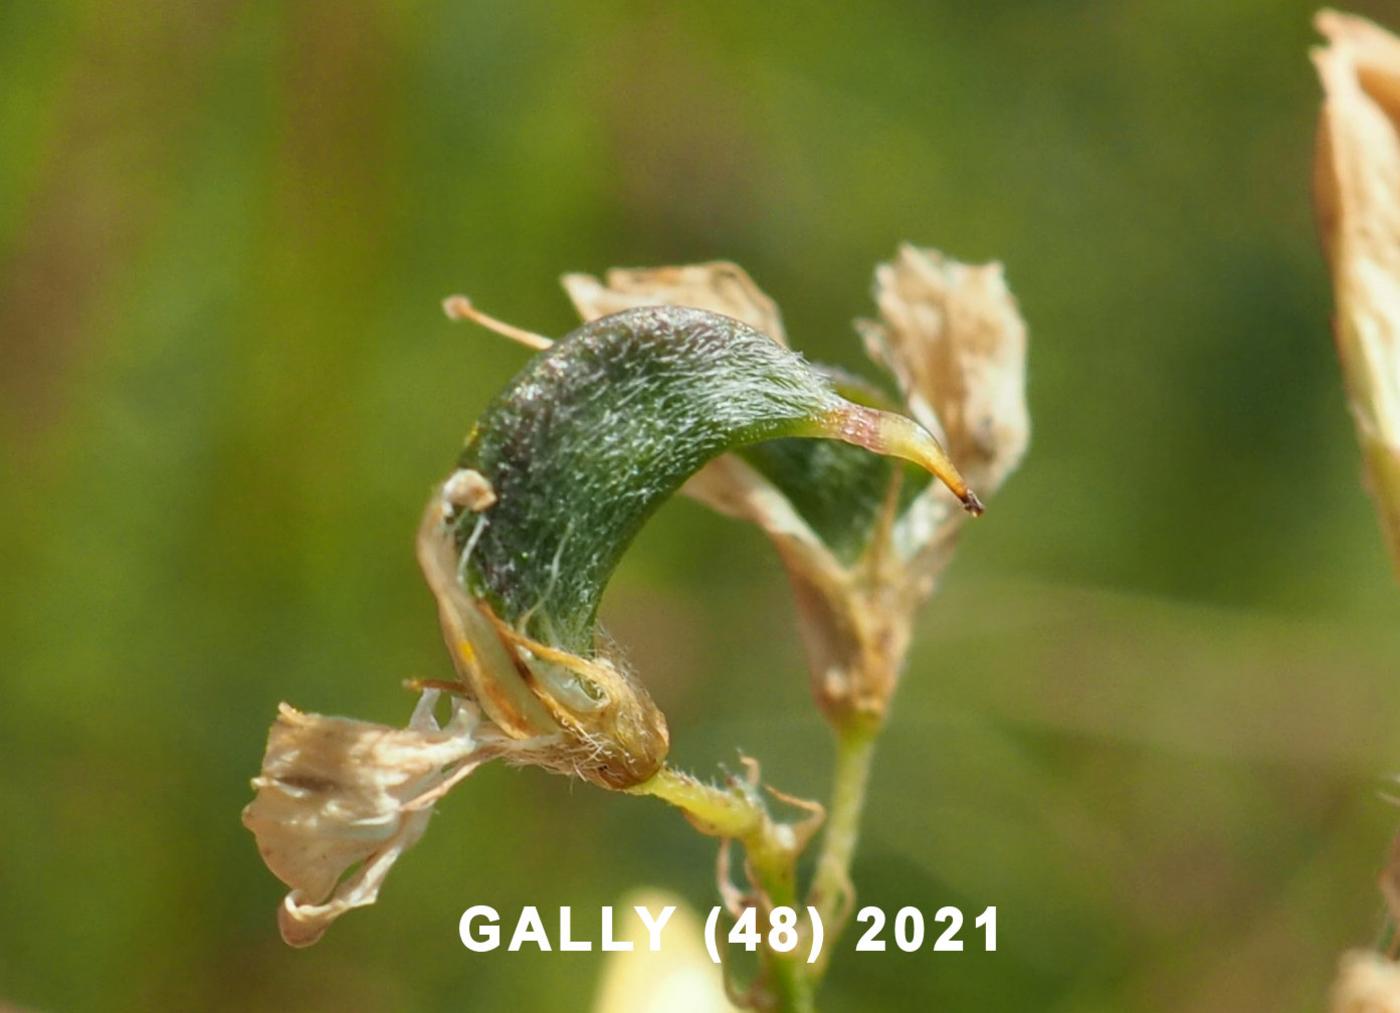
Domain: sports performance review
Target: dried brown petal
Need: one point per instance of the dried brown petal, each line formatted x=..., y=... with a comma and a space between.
x=1357, y=189
x=336, y=793
x=719, y=286
x=954, y=340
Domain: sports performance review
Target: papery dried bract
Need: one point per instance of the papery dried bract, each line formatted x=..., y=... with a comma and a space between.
x=1357, y=189
x=719, y=286
x=335, y=793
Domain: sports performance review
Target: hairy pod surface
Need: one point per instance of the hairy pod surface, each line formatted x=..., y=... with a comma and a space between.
x=597, y=431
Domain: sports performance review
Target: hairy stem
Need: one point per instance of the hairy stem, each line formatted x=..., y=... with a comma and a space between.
x=718, y=812
x=771, y=849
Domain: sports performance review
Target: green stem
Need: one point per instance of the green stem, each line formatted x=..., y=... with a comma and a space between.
x=832, y=893
x=739, y=814
x=715, y=811
x=791, y=987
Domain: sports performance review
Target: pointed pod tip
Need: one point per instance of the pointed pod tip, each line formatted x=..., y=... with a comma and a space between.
x=888, y=433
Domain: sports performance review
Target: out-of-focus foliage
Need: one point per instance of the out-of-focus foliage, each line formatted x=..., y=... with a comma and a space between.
x=1145, y=717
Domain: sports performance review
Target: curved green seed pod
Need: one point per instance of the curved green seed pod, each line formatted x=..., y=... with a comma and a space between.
x=596, y=432
x=558, y=476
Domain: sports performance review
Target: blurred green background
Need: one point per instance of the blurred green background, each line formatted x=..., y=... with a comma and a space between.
x=1149, y=714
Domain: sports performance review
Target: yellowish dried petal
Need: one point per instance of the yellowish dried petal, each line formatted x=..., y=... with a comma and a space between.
x=1357, y=187
x=585, y=717
x=719, y=286
x=335, y=793
x=1366, y=983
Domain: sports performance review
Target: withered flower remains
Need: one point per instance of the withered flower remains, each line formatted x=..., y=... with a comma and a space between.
x=560, y=472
